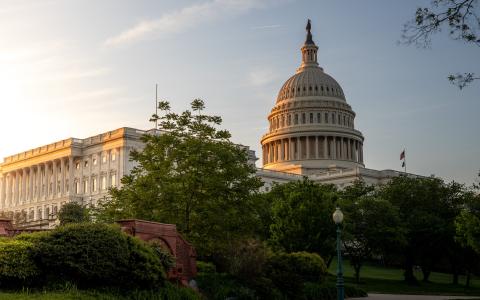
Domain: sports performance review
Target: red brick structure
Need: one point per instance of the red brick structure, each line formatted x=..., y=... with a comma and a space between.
x=168, y=237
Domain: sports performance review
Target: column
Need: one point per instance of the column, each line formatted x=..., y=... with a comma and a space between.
x=317, y=154
x=361, y=152
x=47, y=181
x=71, y=177
x=290, y=149
x=334, y=147
x=23, y=190
x=282, y=150
x=39, y=182
x=350, y=156
x=355, y=152
x=299, y=148
x=62, y=176
x=325, y=147
x=55, y=179
x=109, y=175
x=30, y=184
x=2, y=191
x=17, y=187
x=307, y=144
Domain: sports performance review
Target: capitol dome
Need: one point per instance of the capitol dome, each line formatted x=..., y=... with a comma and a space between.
x=311, y=125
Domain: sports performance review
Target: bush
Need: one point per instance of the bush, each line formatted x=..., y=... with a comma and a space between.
x=246, y=259
x=91, y=255
x=73, y=213
x=16, y=262
x=220, y=286
x=205, y=267
x=288, y=272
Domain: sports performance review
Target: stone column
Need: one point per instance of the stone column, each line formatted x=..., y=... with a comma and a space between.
x=334, y=149
x=325, y=147
x=23, y=189
x=17, y=187
x=109, y=173
x=290, y=149
x=71, y=177
x=317, y=155
x=282, y=150
x=39, y=182
x=299, y=148
x=46, y=179
x=2, y=191
x=62, y=176
x=307, y=144
x=55, y=179
x=30, y=184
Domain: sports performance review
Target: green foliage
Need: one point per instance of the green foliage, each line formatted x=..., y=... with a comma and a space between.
x=372, y=226
x=73, y=213
x=427, y=209
x=220, y=286
x=96, y=255
x=468, y=224
x=246, y=259
x=289, y=272
x=16, y=262
x=205, y=267
x=190, y=175
x=302, y=217
x=459, y=17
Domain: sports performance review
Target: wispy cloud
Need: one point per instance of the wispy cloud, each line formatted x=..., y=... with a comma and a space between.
x=273, y=26
x=183, y=19
x=261, y=77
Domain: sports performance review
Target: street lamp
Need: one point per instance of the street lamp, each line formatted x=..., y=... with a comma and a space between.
x=338, y=218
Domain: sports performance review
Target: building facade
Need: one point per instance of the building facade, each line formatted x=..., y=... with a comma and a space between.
x=35, y=183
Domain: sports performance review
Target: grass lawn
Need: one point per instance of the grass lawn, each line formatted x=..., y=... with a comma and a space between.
x=389, y=280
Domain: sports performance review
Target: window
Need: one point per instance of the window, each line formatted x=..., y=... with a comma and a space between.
x=85, y=186
x=113, y=179
x=104, y=159
x=333, y=118
x=77, y=187
x=289, y=120
x=94, y=184
x=319, y=115
x=311, y=118
x=326, y=118
x=114, y=155
x=77, y=165
x=54, y=209
x=296, y=119
x=94, y=161
x=66, y=186
x=85, y=164
x=303, y=118
x=104, y=182
x=59, y=187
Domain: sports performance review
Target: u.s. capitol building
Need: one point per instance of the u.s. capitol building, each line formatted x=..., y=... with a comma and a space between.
x=311, y=133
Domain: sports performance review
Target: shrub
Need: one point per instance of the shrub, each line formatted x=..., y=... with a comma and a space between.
x=246, y=259
x=16, y=262
x=288, y=272
x=73, y=213
x=205, y=267
x=220, y=286
x=93, y=255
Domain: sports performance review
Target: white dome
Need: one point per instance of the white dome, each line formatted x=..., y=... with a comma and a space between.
x=311, y=81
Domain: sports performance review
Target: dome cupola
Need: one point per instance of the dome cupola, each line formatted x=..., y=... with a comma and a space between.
x=311, y=125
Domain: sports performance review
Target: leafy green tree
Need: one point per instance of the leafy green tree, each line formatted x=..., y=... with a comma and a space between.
x=427, y=209
x=372, y=226
x=73, y=213
x=468, y=224
x=460, y=17
x=191, y=175
x=302, y=217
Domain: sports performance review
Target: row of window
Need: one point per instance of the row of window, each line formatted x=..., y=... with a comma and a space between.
x=92, y=185
x=113, y=157
x=310, y=90
x=310, y=118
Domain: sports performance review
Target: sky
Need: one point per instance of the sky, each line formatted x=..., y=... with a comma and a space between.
x=73, y=68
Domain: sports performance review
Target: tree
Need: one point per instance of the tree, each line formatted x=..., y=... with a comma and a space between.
x=73, y=213
x=191, y=175
x=371, y=225
x=302, y=217
x=427, y=208
x=460, y=17
x=468, y=224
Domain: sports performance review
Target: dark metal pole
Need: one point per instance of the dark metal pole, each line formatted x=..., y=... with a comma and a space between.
x=340, y=282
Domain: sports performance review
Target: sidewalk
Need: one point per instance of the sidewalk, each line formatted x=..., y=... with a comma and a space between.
x=411, y=297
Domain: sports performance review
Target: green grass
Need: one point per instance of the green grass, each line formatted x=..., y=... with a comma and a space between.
x=390, y=280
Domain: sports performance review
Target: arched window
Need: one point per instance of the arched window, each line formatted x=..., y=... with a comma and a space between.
x=319, y=115
x=289, y=120
x=333, y=118
x=303, y=118
x=311, y=117
x=326, y=117
x=296, y=119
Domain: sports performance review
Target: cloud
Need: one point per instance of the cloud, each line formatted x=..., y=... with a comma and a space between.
x=183, y=19
x=273, y=26
x=261, y=77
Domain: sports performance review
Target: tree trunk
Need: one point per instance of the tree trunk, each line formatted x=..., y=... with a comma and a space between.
x=455, y=276
x=357, y=272
x=426, y=273
x=467, y=284
x=409, y=277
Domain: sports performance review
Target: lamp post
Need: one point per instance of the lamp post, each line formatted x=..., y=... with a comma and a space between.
x=338, y=218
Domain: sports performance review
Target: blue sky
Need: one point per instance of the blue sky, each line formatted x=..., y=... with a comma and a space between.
x=78, y=68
